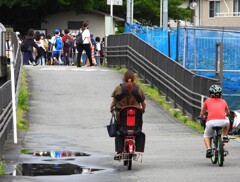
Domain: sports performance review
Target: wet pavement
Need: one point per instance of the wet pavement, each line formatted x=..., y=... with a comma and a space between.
x=68, y=140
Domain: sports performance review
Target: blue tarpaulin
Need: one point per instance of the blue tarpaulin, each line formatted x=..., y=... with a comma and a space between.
x=200, y=52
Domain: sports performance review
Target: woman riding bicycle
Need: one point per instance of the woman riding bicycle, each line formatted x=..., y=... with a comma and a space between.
x=218, y=111
x=125, y=94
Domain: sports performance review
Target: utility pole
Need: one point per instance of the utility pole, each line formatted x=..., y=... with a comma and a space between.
x=109, y=25
x=165, y=14
x=193, y=5
x=130, y=5
x=161, y=13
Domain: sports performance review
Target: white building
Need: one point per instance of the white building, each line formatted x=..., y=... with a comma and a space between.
x=99, y=22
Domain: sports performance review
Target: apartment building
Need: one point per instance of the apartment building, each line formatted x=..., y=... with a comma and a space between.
x=216, y=13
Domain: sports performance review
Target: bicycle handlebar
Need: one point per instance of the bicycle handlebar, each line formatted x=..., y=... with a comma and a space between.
x=201, y=121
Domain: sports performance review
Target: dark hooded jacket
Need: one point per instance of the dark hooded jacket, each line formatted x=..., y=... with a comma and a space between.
x=31, y=43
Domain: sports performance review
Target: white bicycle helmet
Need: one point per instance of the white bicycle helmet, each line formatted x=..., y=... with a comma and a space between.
x=215, y=90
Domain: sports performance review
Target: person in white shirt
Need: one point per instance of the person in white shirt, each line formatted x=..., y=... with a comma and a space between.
x=86, y=45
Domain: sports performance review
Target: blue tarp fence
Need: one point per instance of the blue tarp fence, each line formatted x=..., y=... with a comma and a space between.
x=195, y=49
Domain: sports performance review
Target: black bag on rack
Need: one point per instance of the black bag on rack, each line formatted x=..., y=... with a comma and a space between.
x=112, y=128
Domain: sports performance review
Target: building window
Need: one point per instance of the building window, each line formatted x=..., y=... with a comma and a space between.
x=75, y=24
x=214, y=7
x=236, y=6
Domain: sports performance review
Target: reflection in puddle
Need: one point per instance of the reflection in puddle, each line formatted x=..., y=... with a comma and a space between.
x=33, y=169
x=58, y=154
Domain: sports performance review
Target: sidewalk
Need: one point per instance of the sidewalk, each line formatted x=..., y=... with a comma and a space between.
x=69, y=111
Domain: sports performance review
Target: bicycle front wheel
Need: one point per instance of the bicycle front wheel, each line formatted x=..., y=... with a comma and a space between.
x=214, y=157
x=220, y=152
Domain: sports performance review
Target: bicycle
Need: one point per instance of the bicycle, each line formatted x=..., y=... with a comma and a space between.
x=216, y=143
x=130, y=127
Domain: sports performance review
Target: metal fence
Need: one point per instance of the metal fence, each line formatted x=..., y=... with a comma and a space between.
x=6, y=117
x=195, y=49
x=180, y=86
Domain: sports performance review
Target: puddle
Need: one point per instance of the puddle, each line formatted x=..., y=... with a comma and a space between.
x=56, y=154
x=33, y=169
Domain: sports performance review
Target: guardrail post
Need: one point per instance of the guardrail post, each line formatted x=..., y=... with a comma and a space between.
x=195, y=53
x=13, y=60
x=169, y=43
x=219, y=61
x=184, y=47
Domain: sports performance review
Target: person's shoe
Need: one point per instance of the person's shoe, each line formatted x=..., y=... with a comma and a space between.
x=225, y=139
x=117, y=156
x=209, y=153
x=78, y=65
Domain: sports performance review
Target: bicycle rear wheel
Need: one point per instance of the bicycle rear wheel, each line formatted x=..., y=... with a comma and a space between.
x=214, y=157
x=220, y=152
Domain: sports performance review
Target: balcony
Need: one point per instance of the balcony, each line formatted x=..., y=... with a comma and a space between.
x=228, y=14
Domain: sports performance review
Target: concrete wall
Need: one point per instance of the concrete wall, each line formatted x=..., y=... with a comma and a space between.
x=60, y=21
x=205, y=20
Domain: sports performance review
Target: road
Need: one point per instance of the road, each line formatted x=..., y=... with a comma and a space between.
x=69, y=111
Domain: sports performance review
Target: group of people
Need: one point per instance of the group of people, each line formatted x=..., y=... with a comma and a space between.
x=63, y=49
x=215, y=107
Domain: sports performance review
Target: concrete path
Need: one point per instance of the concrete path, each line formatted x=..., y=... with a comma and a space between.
x=69, y=111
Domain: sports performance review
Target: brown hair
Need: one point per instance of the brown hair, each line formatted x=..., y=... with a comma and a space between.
x=130, y=80
x=31, y=32
x=84, y=25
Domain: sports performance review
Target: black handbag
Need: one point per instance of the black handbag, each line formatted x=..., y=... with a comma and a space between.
x=113, y=128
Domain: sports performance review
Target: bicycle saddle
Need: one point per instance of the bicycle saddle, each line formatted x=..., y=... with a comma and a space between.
x=216, y=127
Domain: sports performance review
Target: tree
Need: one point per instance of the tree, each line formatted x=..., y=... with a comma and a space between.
x=178, y=13
x=148, y=11
x=22, y=14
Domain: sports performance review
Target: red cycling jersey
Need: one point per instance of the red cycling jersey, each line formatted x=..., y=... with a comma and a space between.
x=217, y=108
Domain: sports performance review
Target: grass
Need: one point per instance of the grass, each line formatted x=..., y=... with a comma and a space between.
x=24, y=151
x=22, y=108
x=2, y=168
x=154, y=94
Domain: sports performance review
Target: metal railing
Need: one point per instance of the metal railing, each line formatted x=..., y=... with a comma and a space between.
x=228, y=14
x=182, y=87
x=6, y=109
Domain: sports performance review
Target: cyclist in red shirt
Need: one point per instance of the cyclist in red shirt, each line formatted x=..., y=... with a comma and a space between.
x=218, y=111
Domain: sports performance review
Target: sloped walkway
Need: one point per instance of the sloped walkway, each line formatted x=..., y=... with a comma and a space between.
x=69, y=111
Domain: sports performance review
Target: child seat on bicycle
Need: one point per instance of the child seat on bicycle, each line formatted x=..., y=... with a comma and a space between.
x=130, y=122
